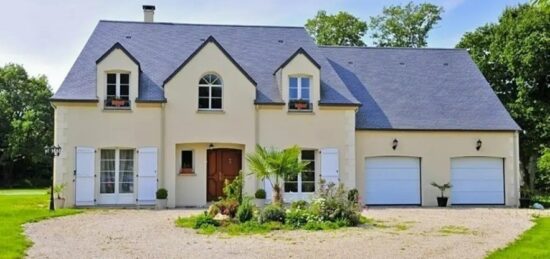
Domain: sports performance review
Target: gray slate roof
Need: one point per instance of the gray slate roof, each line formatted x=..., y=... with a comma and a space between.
x=421, y=93
x=418, y=88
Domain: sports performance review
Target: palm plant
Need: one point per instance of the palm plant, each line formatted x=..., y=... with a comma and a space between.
x=275, y=165
x=442, y=187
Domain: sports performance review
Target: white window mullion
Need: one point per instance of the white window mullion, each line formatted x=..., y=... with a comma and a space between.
x=209, y=96
x=299, y=87
x=117, y=171
x=117, y=85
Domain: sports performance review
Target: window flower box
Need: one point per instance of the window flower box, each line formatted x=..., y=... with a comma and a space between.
x=186, y=171
x=299, y=105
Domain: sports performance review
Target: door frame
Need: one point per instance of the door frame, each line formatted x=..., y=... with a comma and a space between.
x=208, y=153
x=117, y=198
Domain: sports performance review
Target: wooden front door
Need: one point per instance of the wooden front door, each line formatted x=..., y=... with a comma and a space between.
x=222, y=164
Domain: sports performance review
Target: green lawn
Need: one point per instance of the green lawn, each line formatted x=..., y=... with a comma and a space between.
x=18, y=207
x=534, y=243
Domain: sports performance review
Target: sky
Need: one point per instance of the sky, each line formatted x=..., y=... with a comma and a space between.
x=47, y=36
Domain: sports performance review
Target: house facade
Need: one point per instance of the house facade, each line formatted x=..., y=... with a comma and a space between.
x=178, y=106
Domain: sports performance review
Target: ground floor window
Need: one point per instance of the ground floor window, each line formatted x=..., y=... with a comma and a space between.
x=304, y=182
x=117, y=171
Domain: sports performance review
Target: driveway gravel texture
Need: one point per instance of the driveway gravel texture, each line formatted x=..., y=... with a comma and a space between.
x=397, y=233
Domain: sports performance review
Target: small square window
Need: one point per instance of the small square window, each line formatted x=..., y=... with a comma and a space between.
x=186, y=162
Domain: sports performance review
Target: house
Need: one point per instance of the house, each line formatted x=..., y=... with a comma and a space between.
x=149, y=105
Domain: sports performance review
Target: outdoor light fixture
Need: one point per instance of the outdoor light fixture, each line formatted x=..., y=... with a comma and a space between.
x=52, y=151
x=478, y=144
x=211, y=146
x=394, y=143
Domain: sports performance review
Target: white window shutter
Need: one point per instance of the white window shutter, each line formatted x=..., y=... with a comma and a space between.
x=84, y=176
x=329, y=165
x=147, y=176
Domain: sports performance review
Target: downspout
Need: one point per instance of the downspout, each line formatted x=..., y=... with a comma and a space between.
x=517, y=176
x=162, y=144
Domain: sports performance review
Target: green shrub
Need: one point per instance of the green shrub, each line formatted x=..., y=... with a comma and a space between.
x=297, y=217
x=234, y=190
x=227, y=207
x=300, y=204
x=332, y=204
x=272, y=213
x=162, y=194
x=245, y=212
x=213, y=210
x=260, y=194
x=205, y=220
x=353, y=195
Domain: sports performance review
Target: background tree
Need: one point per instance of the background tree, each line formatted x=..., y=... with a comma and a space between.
x=404, y=26
x=341, y=29
x=514, y=55
x=26, y=125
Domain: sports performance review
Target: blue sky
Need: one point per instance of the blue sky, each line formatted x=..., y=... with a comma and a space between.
x=47, y=36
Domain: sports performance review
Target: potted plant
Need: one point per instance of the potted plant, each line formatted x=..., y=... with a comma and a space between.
x=525, y=197
x=162, y=194
x=442, y=200
x=118, y=102
x=59, y=201
x=260, y=198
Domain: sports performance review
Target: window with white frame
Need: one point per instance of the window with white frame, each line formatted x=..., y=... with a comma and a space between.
x=116, y=171
x=299, y=92
x=118, y=90
x=304, y=182
x=210, y=92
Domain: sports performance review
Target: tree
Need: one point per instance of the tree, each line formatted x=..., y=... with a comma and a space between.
x=514, y=56
x=542, y=180
x=405, y=26
x=341, y=29
x=276, y=165
x=26, y=118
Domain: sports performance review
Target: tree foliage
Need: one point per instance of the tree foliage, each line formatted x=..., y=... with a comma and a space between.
x=514, y=55
x=341, y=29
x=26, y=118
x=404, y=26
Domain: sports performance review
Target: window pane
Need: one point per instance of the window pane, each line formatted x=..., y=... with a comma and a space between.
x=308, y=176
x=107, y=171
x=293, y=93
x=126, y=188
x=305, y=94
x=111, y=78
x=203, y=81
x=111, y=90
x=292, y=178
x=203, y=103
x=204, y=92
x=216, y=103
x=308, y=187
x=124, y=90
x=293, y=82
x=305, y=82
x=291, y=187
x=216, y=92
x=186, y=159
x=124, y=79
x=308, y=155
x=126, y=171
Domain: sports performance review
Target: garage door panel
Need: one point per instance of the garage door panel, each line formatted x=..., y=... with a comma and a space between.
x=392, y=180
x=477, y=180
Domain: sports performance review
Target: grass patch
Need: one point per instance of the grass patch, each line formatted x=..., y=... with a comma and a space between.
x=534, y=243
x=455, y=230
x=18, y=207
x=253, y=227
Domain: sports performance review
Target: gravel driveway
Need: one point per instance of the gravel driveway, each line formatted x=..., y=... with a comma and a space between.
x=400, y=232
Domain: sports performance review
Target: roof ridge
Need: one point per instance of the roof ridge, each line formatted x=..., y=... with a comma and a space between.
x=205, y=24
x=384, y=48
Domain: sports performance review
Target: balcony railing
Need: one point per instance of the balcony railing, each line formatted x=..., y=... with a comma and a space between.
x=117, y=104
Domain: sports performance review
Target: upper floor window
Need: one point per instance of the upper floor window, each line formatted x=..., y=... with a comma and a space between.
x=210, y=92
x=118, y=90
x=299, y=93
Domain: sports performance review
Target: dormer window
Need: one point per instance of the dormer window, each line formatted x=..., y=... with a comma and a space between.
x=299, y=93
x=210, y=92
x=118, y=90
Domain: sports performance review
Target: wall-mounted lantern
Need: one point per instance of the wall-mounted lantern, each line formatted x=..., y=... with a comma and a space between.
x=478, y=144
x=211, y=146
x=394, y=143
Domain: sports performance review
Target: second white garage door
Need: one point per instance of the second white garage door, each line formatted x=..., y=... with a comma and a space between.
x=392, y=181
x=477, y=180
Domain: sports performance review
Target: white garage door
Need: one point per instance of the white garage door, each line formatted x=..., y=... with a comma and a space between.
x=477, y=180
x=392, y=181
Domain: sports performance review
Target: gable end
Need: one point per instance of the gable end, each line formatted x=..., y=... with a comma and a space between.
x=120, y=47
x=299, y=51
